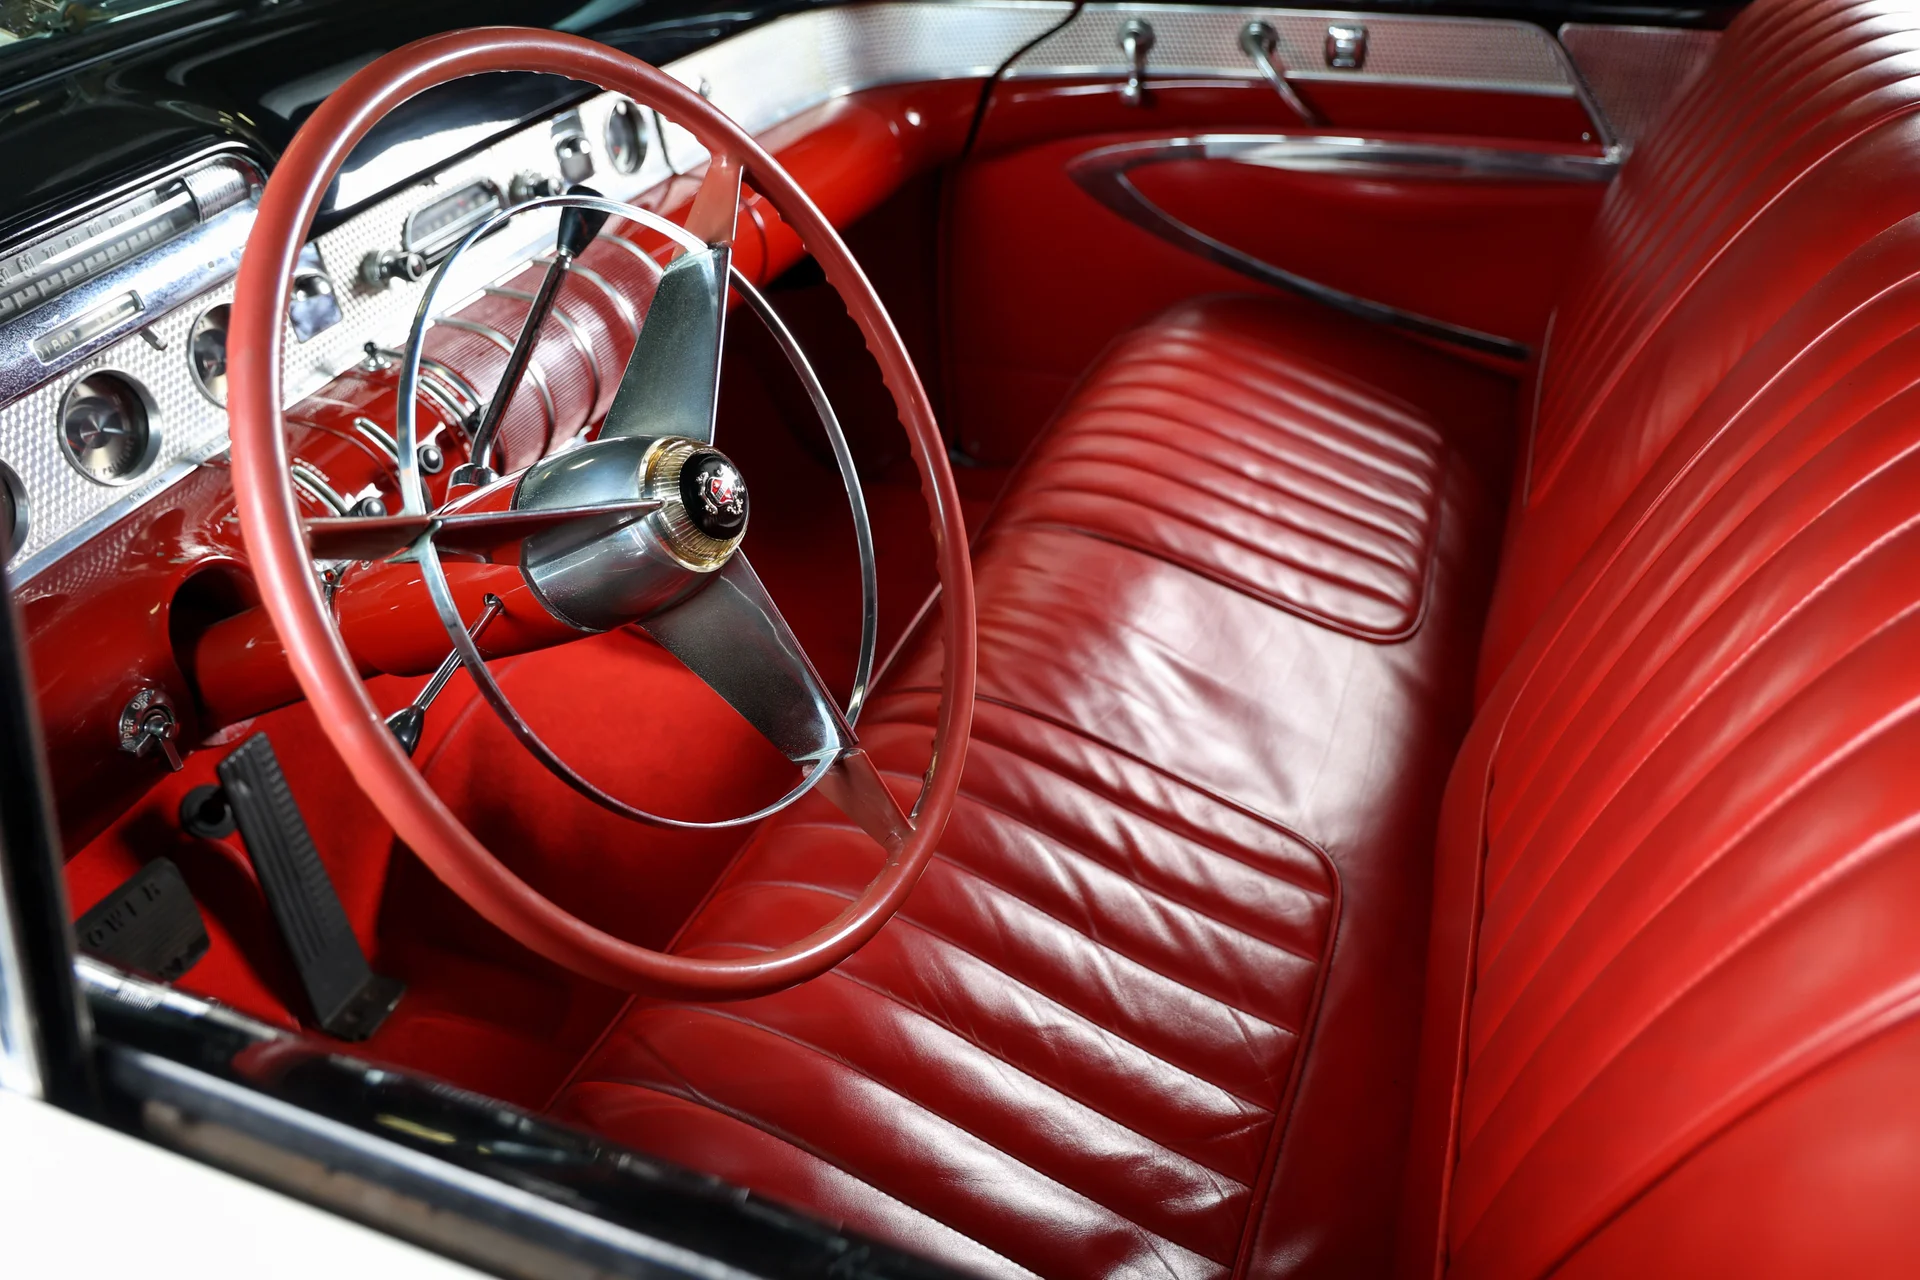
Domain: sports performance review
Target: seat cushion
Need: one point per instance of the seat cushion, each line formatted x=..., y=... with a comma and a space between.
x=1152, y=1009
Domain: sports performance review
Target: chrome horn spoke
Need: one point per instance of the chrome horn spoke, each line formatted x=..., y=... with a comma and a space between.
x=730, y=634
x=671, y=386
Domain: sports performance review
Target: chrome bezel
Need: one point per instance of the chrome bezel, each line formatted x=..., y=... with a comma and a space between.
x=193, y=331
x=624, y=114
x=155, y=426
x=22, y=511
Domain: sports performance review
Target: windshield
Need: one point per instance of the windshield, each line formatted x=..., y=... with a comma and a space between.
x=41, y=20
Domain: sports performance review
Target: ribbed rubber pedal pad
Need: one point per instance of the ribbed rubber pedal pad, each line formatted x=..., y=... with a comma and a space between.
x=149, y=925
x=349, y=999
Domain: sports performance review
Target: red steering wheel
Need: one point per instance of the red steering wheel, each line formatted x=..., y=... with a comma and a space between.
x=283, y=567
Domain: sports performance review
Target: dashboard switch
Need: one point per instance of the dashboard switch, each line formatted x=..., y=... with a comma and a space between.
x=383, y=266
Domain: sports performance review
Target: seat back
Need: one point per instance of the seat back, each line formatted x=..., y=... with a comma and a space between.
x=1676, y=958
x=1779, y=161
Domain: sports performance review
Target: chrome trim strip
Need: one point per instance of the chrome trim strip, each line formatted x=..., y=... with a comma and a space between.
x=1377, y=157
x=309, y=477
x=534, y=370
x=376, y=435
x=620, y=304
x=1102, y=174
x=647, y=260
x=580, y=342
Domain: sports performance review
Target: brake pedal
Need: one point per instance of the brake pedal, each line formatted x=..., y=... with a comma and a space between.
x=349, y=999
x=149, y=925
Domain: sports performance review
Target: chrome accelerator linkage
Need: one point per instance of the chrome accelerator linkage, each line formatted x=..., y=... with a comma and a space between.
x=1261, y=42
x=579, y=226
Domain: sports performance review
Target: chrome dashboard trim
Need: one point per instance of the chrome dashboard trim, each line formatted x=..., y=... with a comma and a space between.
x=535, y=373
x=1103, y=174
x=1499, y=54
x=620, y=302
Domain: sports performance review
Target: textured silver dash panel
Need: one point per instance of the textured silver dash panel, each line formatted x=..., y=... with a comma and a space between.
x=1461, y=53
x=772, y=73
x=68, y=508
x=1634, y=73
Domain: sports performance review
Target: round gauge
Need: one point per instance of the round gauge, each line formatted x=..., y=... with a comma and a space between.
x=106, y=428
x=13, y=512
x=626, y=137
x=207, y=352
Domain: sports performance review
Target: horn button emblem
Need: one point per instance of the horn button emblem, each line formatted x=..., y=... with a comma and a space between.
x=714, y=495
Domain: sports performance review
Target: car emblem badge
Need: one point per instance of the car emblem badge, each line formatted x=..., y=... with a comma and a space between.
x=715, y=495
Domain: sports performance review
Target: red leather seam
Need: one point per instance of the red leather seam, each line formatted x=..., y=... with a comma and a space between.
x=694, y=1096
x=755, y=886
x=1293, y=524
x=1755, y=820
x=890, y=998
x=730, y=1013
x=1649, y=328
x=1225, y=802
x=1880, y=1023
x=1735, y=664
x=1284, y=605
x=1283, y=1110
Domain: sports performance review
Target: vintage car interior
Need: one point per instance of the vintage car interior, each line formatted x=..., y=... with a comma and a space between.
x=990, y=637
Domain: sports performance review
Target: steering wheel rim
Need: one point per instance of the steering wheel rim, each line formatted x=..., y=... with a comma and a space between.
x=272, y=531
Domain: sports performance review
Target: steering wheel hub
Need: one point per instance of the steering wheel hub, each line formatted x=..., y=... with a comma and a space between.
x=714, y=494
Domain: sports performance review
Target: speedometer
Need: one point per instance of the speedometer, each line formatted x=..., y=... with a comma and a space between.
x=107, y=428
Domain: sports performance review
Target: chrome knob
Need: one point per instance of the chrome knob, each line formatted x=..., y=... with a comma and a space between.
x=147, y=724
x=1136, y=42
x=383, y=266
x=530, y=185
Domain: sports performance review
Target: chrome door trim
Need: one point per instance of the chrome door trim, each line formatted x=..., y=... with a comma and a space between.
x=1103, y=174
x=1381, y=157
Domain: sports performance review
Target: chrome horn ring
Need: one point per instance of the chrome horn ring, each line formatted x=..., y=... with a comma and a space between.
x=433, y=573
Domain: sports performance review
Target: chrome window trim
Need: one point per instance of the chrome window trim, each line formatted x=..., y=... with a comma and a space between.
x=1102, y=174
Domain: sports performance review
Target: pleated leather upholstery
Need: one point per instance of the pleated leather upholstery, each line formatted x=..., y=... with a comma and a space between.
x=1153, y=1010
x=1774, y=165
x=1676, y=965
x=1309, y=488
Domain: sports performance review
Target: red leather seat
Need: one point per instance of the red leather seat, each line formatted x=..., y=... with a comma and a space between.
x=1156, y=1007
x=1227, y=628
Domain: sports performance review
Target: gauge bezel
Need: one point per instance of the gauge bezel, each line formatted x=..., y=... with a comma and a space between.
x=22, y=511
x=193, y=367
x=155, y=427
x=625, y=112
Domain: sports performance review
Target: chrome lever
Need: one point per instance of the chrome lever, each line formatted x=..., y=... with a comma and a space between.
x=406, y=723
x=1259, y=41
x=578, y=229
x=1136, y=42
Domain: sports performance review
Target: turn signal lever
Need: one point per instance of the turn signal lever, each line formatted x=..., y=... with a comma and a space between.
x=578, y=228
